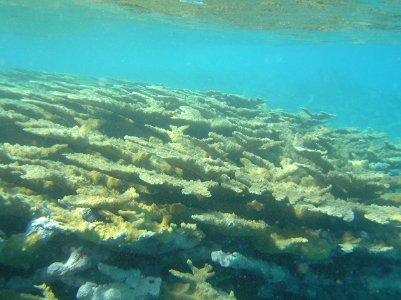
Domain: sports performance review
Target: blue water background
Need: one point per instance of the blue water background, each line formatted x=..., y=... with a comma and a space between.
x=360, y=83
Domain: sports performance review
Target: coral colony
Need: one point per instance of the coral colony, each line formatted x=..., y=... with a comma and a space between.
x=123, y=190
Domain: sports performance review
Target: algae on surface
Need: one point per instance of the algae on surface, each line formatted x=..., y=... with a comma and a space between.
x=142, y=177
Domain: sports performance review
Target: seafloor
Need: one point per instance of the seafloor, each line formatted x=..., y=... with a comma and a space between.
x=118, y=190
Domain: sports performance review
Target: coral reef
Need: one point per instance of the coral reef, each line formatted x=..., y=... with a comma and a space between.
x=106, y=186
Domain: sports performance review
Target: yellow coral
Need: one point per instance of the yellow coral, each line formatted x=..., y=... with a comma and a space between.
x=195, y=286
x=182, y=166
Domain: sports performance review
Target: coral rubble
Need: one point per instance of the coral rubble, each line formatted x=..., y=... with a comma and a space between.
x=107, y=189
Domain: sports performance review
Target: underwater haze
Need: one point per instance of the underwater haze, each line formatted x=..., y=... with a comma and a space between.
x=200, y=149
x=355, y=75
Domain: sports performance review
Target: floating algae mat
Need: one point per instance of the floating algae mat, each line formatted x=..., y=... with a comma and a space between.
x=120, y=190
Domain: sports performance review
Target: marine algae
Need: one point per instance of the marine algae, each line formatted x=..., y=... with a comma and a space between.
x=153, y=176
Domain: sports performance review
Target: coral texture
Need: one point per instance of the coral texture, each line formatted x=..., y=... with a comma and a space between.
x=110, y=175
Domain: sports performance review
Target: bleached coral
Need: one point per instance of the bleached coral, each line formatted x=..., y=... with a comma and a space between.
x=235, y=260
x=126, y=284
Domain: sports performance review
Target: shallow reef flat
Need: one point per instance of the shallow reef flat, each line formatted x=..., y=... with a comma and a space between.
x=117, y=190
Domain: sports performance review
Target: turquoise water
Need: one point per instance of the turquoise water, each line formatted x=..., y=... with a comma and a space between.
x=128, y=170
x=360, y=83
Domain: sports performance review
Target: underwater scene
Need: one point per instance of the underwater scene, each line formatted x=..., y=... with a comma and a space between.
x=200, y=149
